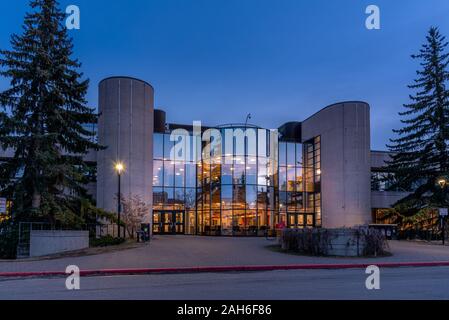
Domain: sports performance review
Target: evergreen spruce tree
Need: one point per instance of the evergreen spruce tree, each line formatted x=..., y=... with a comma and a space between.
x=421, y=148
x=42, y=118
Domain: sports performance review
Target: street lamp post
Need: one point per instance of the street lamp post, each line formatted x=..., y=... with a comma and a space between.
x=119, y=167
x=442, y=182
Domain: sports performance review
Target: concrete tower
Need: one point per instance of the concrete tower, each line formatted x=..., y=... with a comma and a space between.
x=345, y=162
x=125, y=127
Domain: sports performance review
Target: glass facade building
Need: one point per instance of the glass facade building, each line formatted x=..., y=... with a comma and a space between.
x=309, y=173
x=248, y=182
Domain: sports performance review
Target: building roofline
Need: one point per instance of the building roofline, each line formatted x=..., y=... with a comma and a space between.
x=335, y=104
x=126, y=77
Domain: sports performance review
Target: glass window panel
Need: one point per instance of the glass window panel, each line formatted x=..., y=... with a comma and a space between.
x=283, y=201
x=270, y=220
x=216, y=222
x=206, y=174
x=291, y=203
x=283, y=218
x=206, y=221
x=298, y=154
x=282, y=153
x=239, y=198
x=262, y=197
x=190, y=175
x=299, y=180
x=170, y=194
x=251, y=142
x=226, y=196
x=199, y=174
x=262, y=172
x=190, y=199
x=179, y=174
x=226, y=176
x=251, y=196
x=179, y=203
x=169, y=173
x=190, y=222
x=291, y=154
x=168, y=146
x=199, y=199
x=291, y=220
x=239, y=222
x=262, y=221
x=309, y=220
x=251, y=171
x=226, y=222
x=206, y=198
x=271, y=199
x=251, y=222
x=216, y=147
x=158, y=173
x=199, y=221
x=158, y=146
x=282, y=178
x=301, y=220
x=298, y=199
x=239, y=171
x=262, y=143
x=159, y=198
x=309, y=204
x=216, y=173
x=216, y=198
x=291, y=178
x=180, y=151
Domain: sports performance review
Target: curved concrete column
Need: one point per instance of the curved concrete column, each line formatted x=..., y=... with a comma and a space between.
x=345, y=162
x=125, y=127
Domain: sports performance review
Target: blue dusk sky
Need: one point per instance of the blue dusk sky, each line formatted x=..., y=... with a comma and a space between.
x=217, y=60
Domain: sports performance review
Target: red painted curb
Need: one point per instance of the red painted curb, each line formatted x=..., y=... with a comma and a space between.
x=226, y=269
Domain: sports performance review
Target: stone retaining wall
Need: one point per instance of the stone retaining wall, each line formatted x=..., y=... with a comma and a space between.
x=44, y=242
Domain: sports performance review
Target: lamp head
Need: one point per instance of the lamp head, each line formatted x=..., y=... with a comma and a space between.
x=119, y=167
x=442, y=182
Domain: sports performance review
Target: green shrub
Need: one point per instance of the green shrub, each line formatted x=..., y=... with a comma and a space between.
x=106, y=241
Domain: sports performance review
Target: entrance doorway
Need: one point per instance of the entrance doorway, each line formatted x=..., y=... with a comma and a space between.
x=168, y=222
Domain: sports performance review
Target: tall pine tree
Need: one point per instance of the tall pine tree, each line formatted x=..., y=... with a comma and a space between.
x=41, y=119
x=420, y=152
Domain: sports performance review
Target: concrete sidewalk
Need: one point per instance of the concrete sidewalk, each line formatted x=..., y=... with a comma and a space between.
x=191, y=251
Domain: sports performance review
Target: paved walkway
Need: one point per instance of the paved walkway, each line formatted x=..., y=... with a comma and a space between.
x=190, y=251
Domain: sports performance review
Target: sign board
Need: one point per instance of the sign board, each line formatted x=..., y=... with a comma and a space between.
x=2, y=205
x=443, y=212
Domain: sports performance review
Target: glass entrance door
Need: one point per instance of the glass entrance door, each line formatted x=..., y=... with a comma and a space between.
x=168, y=222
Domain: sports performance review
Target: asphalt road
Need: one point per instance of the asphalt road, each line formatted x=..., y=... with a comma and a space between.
x=399, y=283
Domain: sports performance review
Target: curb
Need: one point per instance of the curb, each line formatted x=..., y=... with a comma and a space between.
x=142, y=271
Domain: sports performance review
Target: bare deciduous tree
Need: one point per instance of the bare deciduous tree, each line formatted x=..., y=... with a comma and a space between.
x=134, y=209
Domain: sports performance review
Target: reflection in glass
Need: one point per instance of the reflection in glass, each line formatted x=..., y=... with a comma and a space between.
x=190, y=169
x=169, y=173
x=158, y=146
x=226, y=196
x=282, y=154
x=157, y=173
x=168, y=147
x=243, y=193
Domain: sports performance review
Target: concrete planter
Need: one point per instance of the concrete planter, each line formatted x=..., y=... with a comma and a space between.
x=342, y=242
x=43, y=242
